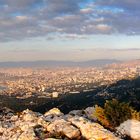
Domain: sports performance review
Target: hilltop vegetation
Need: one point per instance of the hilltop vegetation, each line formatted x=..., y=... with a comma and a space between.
x=114, y=113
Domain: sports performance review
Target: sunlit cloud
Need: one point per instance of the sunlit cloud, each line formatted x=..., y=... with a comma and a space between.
x=25, y=19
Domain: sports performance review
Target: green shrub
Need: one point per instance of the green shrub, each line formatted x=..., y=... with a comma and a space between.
x=116, y=112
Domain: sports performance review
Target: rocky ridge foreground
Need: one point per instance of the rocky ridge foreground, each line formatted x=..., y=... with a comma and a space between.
x=29, y=125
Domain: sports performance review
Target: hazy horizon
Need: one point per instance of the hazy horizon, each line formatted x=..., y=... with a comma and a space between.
x=76, y=30
x=61, y=60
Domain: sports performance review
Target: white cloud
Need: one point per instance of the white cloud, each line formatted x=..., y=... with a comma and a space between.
x=20, y=19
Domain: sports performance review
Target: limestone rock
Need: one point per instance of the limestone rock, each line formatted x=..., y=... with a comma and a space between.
x=27, y=135
x=29, y=125
x=91, y=130
x=89, y=112
x=64, y=128
x=76, y=113
x=28, y=115
x=130, y=128
x=53, y=114
x=54, y=111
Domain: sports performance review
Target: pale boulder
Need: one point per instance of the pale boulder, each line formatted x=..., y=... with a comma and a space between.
x=130, y=128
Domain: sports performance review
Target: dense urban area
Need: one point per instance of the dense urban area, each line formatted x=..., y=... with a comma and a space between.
x=86, y=96
x=52, y=82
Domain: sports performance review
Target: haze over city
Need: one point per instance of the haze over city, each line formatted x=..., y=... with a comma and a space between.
x=75, y=30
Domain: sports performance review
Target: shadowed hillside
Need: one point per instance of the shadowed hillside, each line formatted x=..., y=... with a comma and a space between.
x=123, y=90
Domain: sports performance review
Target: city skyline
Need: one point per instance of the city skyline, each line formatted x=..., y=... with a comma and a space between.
x=76, y=30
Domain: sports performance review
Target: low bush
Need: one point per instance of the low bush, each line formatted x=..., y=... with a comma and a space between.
x=117, y=112
x=114, y=113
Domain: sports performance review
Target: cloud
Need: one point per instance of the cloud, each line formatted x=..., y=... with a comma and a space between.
x=62, y=6
x=124, y=4
x=18, y=3
x=24, y=19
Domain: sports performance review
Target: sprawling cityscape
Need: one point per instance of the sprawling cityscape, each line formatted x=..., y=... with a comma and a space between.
x=27, y=82
x=76, y=91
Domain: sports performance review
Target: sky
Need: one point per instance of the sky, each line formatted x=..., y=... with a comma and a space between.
x=74, y=30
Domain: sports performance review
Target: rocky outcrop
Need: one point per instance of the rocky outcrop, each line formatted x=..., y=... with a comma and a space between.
x=64, y=128
x=29, y=125
x=130, y=128
x=90, y=130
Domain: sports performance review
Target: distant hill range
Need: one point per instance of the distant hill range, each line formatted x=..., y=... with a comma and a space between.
x=52, y=63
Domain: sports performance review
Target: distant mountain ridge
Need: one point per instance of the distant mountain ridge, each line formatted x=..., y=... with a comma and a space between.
x=53, y=63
